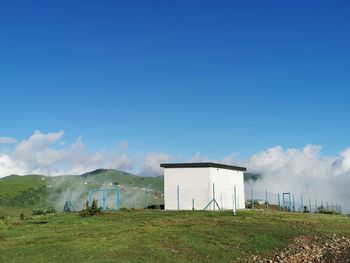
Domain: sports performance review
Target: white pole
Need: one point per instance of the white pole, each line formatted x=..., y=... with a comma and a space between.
x=234, y=200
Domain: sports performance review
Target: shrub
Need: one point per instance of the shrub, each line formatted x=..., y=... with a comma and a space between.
x=90, y=211
x=40, y=211
x=330, y=212
x=21, y=216
x=125, y=209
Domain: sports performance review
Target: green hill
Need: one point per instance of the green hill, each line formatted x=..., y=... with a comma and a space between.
x=38, y=191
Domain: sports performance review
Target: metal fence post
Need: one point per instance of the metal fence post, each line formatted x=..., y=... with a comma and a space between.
x=221, y=201
x=118, y=197
x=301, y=204
x=214, y=196
x=235, y=197
x=310, y=208
x=178, y=197
x=234, y=202
x=104, y=199
x=90, y=198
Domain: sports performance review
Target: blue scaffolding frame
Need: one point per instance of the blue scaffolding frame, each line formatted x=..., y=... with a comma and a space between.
x=287, y=201
x=104, y=196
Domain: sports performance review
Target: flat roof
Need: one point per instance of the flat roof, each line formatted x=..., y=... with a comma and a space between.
x=201, y=165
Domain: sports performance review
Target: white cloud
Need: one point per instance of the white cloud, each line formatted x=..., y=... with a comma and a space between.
x=44, y=153
x=198, y=157
x=151, y=164
x=9, y=166
x=7, y=140
x=303, y=172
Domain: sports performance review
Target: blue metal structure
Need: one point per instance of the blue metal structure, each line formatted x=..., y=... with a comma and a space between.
x=287, y=201
x=266, y=199
x=104, y=196
x=310, y=208
x=301, y=204
x=68, y=207
x=252, y=196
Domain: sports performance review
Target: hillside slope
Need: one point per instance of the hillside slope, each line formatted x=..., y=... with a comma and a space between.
x=38, y=191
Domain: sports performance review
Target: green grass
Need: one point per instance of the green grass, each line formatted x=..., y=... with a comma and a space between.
x=13, y=212
x=158, y=236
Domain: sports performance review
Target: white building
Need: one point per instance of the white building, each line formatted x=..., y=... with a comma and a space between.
x=190, y=186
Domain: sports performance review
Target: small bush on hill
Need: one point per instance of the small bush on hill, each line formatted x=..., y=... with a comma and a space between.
x=330, y=212
x=125, y=209
x=90, y=211
x=39, y=211
x=21, y=216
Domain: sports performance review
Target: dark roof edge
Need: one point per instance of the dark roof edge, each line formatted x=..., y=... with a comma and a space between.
x=199, y=165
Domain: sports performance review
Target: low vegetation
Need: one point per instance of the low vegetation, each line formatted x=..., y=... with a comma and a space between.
x=42, y=211
x=90, y=210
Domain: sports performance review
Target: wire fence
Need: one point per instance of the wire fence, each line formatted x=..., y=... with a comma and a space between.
x=132, y=198
x=288, y=201
x=146, y=198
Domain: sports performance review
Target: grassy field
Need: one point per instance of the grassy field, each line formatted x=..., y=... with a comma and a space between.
x=147, y=236
x=158, y=236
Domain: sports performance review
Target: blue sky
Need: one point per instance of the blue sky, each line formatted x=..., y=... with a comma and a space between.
x=213, y=77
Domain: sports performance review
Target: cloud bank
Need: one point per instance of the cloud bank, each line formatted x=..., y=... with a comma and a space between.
x=299, y=171
x=303, y=172
x=45, y=153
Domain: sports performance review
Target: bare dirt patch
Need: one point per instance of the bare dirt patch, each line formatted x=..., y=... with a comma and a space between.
x=329, y=249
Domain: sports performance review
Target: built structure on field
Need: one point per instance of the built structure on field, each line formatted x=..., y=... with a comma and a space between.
x=203, y=186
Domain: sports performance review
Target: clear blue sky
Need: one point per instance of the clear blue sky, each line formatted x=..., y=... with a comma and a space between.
x=179, y=77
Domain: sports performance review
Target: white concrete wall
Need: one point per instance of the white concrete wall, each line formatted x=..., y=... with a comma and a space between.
x=192, y=182
x=224, y=181
x=197, y=184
